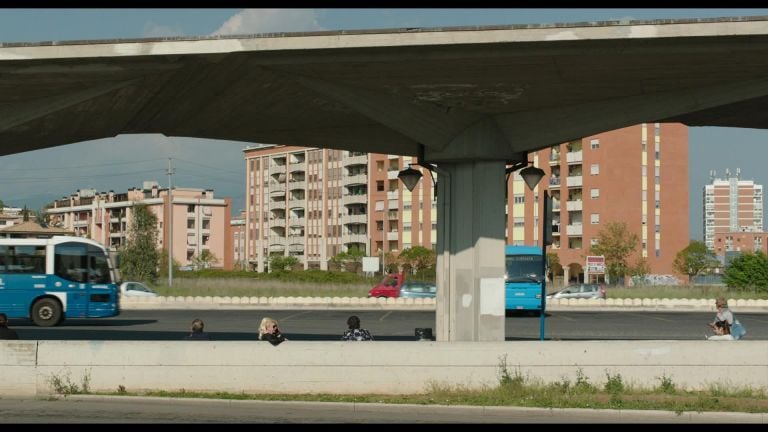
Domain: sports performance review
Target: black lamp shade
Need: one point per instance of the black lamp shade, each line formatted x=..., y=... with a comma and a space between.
x=410, y=177
x=532, y=176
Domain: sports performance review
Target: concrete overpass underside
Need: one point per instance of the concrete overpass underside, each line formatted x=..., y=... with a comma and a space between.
x=472, y=99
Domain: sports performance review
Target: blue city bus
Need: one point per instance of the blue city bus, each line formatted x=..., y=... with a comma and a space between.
x=48, y=280
x=522, y=278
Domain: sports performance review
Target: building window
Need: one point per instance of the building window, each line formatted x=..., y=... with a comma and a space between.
x=595, y=218
x=595, y=193
x=380, y=186
x=595, y=144
x=519, y=199
x=594, y=169
x=519, y=222
x=406, y=227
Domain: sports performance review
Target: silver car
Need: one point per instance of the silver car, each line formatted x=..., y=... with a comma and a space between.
x=580, y=291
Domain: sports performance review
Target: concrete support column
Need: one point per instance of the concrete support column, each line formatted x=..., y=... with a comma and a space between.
x=470, y=248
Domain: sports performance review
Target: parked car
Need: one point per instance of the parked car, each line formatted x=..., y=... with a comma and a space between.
x=418, y=290
x=136, y=289
x=580, y=291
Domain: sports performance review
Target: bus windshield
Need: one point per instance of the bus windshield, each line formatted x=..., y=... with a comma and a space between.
x=523, y=268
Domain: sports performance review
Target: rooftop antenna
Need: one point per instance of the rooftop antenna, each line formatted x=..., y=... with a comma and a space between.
x=738, y=173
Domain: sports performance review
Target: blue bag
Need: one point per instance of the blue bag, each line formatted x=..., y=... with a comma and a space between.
x=738, y=330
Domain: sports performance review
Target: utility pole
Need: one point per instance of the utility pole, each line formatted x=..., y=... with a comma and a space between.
x=170, y=224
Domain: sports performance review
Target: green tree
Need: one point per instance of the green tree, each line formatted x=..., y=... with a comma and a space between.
x=616, y=243
x=553, y=264
x=417, y=258
x=163, y=273
x=282, y=263
x=139, y=258
x=204, y=259
x=641, y=268
x=694, y=259
x=351, y=260
x=748, y=271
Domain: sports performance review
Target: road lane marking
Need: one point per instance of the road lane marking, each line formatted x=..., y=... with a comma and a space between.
x=295, y=315
x=651, y=316
x=385, y=315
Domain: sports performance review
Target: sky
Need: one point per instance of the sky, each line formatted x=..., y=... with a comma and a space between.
x=39, y=177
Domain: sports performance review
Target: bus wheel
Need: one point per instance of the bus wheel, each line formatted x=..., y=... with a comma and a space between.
x=46, y=312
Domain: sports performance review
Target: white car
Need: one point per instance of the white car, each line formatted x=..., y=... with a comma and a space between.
x=136, y=289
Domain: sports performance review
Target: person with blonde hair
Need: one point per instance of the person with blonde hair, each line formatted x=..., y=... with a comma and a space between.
x=269, y=331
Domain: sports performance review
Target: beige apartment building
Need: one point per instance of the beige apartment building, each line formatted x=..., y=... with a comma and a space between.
x=314, y=203
x=733, y=214
x=199, y=221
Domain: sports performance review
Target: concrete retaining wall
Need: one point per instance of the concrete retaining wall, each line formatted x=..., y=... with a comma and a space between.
x=702, y=305
x=28, y=367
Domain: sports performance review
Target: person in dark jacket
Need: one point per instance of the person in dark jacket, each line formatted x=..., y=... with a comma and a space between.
x=197, y=331
x=5, y=332
x=270, y=332
x=355, y=333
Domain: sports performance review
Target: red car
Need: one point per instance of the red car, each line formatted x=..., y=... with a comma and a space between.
x=389, y=286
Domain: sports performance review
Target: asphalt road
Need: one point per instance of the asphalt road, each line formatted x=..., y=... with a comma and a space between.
x=97, y=409
x=384, y=325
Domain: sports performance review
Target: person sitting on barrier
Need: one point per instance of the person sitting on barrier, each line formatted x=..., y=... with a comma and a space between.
x=355, y=333
x=5, y=332
x=724, y=325
x=196, y=331
x=270, y=332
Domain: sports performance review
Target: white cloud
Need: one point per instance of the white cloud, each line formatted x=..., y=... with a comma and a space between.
x=251, y=21
x=152, y=30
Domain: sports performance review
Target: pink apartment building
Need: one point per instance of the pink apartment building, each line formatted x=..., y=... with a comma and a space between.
x=199, y=221
x=314, y=203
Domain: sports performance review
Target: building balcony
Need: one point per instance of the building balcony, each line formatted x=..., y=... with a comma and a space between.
x=276, y=169
x=354, y=160
x=354, y=179
x=574, y=157
x=297, y=184
x=575, y=205
x=296, y=203
x=276, y=239
x=355, y=219
x=297, y=221
x=277, y=248
x=296, y=248
x=354, y=199
x=574, y=230
x=278, y=221
x=393, y=235
x=574, y=181
x=276, y=205
x=354, y=238
x=297, y=166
